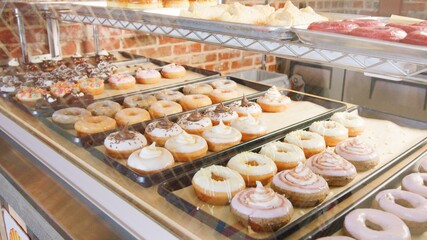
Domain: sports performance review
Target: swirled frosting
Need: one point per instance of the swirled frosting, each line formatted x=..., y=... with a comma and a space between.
x=222, y=134
x=249, y=125
x=355, y=149
x=348, y=119
x=274, y=96
x=150, y=158
x=300, y=179
x=185, y=142
x=261, y=202
x=330, y=164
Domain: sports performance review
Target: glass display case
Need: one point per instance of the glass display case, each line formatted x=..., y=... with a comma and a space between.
x=95, y=82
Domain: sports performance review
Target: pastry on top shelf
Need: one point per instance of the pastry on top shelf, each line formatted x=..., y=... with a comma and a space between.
x=290, y=15
x=176, y=3
x=145, y=4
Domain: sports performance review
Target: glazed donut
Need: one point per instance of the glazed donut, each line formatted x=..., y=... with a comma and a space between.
x=423, y=166
x=334, y=169
x=131, y=116
x=261, y=208
x=194, y=123
x=139, y=100
x=93, y=86
x=121, y=81
x=186, y=147
x=362, y=155
x=163, y=108
x=123, y=143
x=381, y=33
x=408, y=206
x=169, y=95
x=150, y=159
x=217, y=184
x=161, y=131
x=408, y=28
x=301, y=186
x=245, y=107
x=365, y=223
x=332, y=132
x=273, y=101
x=353, y=122
x=173, y=71
x=250, y=127
x=94, y=124
x=416, y=38
x=311, y=143
x=343, y=27
x=189, y=102
x=221, y=95
x=284, y=155
x=198, y=88
x=220, y=137
x=104, y=108
x=366, y=22
x=416, y=183
x=221, y=113
x=253, y=167
x=67, y=117
x=223, y=84
x=149, y=76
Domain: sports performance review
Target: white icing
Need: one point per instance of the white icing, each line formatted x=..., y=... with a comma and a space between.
x=249, y=125
x=13, y=62
x=241, y=160
x=185, y=143
x=328, y=163
x=151, y=73
x=173, y=68
x=7, y=89
x=76, y=55
x=103, y=52
x=253, y=108
x=169, y=95
x=221, y=116
x=222, y=134
x=57, y=58
x=150, y=152
x=355, y=149
x=186, y=124
x=283, y=152
x=273, y=96
x=306, y=140
x=348, y=119
x=137, y=142
x=121, y=78
x=149, y=159
x=174, y=130
x=329, y=128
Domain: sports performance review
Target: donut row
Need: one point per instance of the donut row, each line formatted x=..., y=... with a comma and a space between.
x=406, y=33
x=395, y=213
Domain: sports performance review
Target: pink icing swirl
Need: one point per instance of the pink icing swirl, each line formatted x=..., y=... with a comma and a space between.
x=261, y=198
x=357, y=150
x=328, y=163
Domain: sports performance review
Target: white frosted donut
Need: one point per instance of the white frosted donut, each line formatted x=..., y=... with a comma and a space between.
x=194, y=123
x=245, y=107
x=423, y=166
x=158, y=131
x=121, y=144
x=353, y=122
x=221, y=113
x=217, y=184
x=222, y=134
x=223, y=84
x=333, y=132
x=253, y=167
x=273, y=100
x=356, y=224
x=312, y=143
x=187, y=147
x=285, y=155
x=415, y=182
x=150, y=76
x=150, y=159
x=415, y=215
x=250, y=127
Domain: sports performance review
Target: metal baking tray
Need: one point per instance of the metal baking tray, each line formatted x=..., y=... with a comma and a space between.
x=336, y=223
x=147, y=180
x=98, y=138
x=371, y=47
x=168, y=187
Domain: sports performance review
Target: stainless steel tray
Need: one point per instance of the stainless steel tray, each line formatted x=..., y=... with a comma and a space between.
x=350, y=44
x=335, y=224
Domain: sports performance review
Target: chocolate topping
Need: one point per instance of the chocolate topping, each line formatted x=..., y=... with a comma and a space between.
x=195, y=116
x=245, y=102
x=222, y=109
x=124, y=134
x=165, y=123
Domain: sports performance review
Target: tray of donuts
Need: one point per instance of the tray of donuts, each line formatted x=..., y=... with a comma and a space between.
x=366, y=35
x=203, y=135
x=396, y=209
x=137, y=110
x=283, y=183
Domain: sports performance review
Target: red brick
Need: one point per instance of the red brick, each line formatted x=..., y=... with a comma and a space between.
x=358, y=4
x=107, y=31
x=271, y=68
x=220, y=66
x=38, y=48
x=109, y=44
x=68, y=48
x=413, y=6
x=138, y=41
x=204, y=58
x=242, y=63
x=180, y=49
x=195, y=47
x=156, y=52
x=87, y=46
x=167, y=40
x=36, y=35
x=209, y=47
x=230, y=54
x=68, y=32
x=7, y=36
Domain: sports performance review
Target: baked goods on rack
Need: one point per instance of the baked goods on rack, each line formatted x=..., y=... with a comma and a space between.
x=220, y=137
x=147, y=76
x=131, y=116
x=173, y=71
x=121, y=81
x=290, y=15
x=123, y=143
x=221, y=95
x=60, y=89
x=163, y=108
x=334, y=169
x=94, y=124
x=273, y=101
x=104, y=108
x=189, y=102
x=217, y=184
x=197, y=88
x=253, y=167
x=221, y=113
x=332, y=132
x=261, y=208
x=353, y=122
x=29, y=95
x=139, y=100
x=223, y=84
x=245, y=107
x=365, y=223
x=358, y=152
x=67, y=117
x=150, y=159
x=204, y=11
x=169, y=95
x=240, y=13
x=416, y=183
x=144, y=4
x=176, y=3
x=186, y=147
x=311, y=143
x=93, y=86
x=284, y=155
x=194, y=123
x=301, y=186
x=408, y=206
x=160, y=131
x=250, y=127
x=9, y=84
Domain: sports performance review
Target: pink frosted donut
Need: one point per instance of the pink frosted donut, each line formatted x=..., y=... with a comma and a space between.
x=361, y=154
x=423, y=166
x=122, y=81
x=416, y=183
x=150, y=76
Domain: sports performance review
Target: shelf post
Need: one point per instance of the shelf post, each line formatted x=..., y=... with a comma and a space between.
x=95, y=38
x=22, y=37
x=53, y=35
